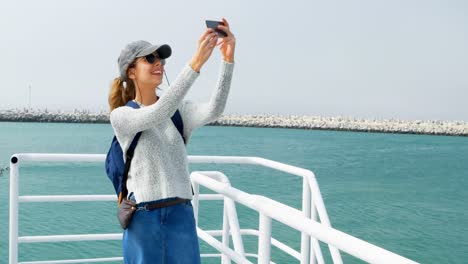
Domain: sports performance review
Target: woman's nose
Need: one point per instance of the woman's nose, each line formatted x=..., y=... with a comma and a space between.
x=159, y=63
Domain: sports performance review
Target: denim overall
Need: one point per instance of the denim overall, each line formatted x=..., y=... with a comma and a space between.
x=166, y=235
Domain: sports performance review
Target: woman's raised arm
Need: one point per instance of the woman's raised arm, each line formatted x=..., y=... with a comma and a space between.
x=129, y=121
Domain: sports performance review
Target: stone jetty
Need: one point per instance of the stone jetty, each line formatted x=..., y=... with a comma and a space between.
x=32, y=115
x=432, y=127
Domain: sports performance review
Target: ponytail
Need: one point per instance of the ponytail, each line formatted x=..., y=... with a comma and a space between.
x=120, y=96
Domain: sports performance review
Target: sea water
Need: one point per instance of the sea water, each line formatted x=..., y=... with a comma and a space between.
x=405, y=193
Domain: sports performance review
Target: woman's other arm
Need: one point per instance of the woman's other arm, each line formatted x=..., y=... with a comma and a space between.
x=198, y=114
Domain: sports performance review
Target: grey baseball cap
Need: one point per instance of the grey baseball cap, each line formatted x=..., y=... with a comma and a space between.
x=137, y=49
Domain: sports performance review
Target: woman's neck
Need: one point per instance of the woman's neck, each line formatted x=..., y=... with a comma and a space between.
x=147, y=98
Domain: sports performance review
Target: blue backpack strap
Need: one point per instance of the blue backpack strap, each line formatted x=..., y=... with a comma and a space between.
x=132, y=147
x=132, y=104
x=177, y=120
x=129, y=156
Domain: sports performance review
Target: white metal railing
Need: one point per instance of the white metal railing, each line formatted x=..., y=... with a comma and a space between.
x=304, y=221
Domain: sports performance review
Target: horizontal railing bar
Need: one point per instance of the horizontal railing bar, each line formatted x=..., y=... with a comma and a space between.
x=66, y=198
x=67, y=157
x=211, y=197
x=116, y=259
x=65, y=238
x=59, y=157
x=220, y=255
x=73, y=261
x=90, y=198
x=95, y=237
x=250, y=160
x=212, y=255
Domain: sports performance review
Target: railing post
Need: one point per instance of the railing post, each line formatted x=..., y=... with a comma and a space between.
x=316, y=253
x=320, y=206
x=305, y=239
x=196, y=200
x=264, y=239
x=14, y=192
x=225, y=239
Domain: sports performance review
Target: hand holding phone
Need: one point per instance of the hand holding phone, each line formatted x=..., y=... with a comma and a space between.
x=214, y=25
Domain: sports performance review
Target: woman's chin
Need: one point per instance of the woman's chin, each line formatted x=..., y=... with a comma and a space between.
x=157, y=78
x=154, y=82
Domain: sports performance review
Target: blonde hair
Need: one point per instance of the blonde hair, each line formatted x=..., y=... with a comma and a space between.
x=120, y=95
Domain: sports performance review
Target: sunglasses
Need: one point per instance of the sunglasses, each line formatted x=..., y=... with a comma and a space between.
x=152, y=58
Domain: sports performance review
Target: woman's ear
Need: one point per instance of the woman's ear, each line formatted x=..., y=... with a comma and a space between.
x=131, y=74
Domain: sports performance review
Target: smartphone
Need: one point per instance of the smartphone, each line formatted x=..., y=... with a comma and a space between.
x=214, y=24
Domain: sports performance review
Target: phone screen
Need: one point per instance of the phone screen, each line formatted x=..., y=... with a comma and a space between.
x=213, y=24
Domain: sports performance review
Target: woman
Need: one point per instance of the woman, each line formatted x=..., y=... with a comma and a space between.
x=159, y=168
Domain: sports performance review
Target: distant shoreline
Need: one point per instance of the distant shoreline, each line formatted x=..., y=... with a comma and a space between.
x=427, y=127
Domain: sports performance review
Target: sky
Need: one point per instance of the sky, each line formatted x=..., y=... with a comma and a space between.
x=401, y=59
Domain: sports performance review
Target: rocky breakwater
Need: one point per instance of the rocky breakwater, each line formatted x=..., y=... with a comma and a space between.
x=29, y=115
x=433, y=127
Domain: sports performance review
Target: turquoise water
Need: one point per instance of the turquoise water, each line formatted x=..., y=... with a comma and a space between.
x=405, y=193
